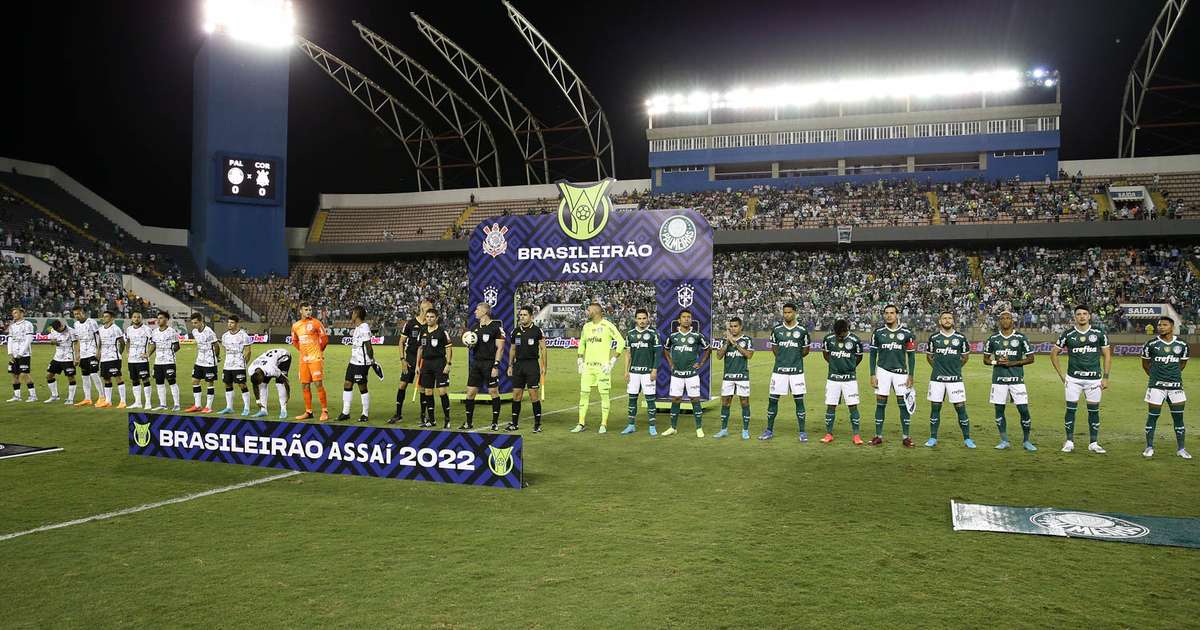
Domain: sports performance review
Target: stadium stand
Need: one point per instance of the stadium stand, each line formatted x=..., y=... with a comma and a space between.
x=85, y=232
x=1042, y=284
x=883, y=203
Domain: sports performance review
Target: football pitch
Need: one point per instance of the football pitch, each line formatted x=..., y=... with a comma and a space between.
x=613, y=531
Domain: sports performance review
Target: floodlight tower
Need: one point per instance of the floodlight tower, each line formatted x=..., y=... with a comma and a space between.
x=239, y=137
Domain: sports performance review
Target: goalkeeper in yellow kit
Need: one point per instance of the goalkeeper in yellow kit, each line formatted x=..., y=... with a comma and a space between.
x=600, y=343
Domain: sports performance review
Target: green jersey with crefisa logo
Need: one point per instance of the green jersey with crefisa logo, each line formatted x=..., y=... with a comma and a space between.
x=892, y=347
x=1014, y=347
x=1166, y=359
x=791, y=342
x=686, y=348
x=948, y=351
x=644, y=349
x=843, y=356
x=1083, y=351
x=737, y=368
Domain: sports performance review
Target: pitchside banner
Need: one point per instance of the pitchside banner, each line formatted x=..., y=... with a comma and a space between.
x=585, y=240
x=480, y=459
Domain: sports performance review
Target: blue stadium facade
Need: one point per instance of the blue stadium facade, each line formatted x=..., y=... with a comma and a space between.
x=938, y=145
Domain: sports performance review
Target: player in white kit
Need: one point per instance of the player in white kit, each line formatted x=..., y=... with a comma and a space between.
x=271, y=365
x=164, y=343
x=112, y=344
x=137, y=340
x=63, y=362
x=208, y=352
x=87, y=335
x=236, y=343
x=20, y=354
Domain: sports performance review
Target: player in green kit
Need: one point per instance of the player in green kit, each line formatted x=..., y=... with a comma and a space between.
x=641, y=369
x=893, y=361
x=686, y=351
x=789, y=343
x=842, y=350
x=1085, y=346
x=1163, y=359
x=1008, y=352
x=946, y=353
x=735, y=350
x=598, y=339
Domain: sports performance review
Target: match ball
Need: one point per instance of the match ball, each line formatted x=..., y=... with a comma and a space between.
x=468, y=338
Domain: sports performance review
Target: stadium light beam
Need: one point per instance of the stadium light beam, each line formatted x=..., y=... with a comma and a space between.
x=844, y=91
x=268, y=23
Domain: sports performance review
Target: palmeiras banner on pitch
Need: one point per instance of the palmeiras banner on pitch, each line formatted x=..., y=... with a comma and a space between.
x=480, y=459
x=584, y=240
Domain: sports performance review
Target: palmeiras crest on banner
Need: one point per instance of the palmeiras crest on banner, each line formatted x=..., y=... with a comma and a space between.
x=588, y=240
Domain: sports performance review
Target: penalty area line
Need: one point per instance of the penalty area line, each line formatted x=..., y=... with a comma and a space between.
x=150, y=506
x=196, y=495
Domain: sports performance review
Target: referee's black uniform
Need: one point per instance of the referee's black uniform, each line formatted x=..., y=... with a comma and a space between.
x=411, y=331
x=433, y=344
x=483, y=356
x=526, y=371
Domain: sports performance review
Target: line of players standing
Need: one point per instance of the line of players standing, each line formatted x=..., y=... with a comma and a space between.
x=94, y=351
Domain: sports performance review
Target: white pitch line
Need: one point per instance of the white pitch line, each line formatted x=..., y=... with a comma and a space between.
x=197, y=495
x=149, y=506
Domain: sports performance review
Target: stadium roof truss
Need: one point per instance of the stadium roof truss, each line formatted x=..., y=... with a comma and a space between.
x=582, y=101
x=474, y=132
x=418, y=142
x=1138, y=86
x=525, y=128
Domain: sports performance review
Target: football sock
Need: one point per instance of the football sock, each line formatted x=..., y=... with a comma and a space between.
x=801, y=412
x=1026, y=421
x=964, y=422
x=347, y=396
x=1180, y=430
x=1151, y=423
x=674, y=414
x=1001, y=422
x=1093, y=410
x=935, y=419
x=745, y=417
x=585, y=397
x=830, y=416
x=855, y=420
x=308, y=400
x=633, y=408
x=698, y=413
x=470, y=411
x=724, y=417
x=53, y=389
x=537, y=413
x=905, y=417
x=1069, y=420
x=772, y=409
x=516, y=412
x=446, y=406
x=880, y=410
x=651, y=408
x=365, y=399
x=496, y=409
x=323, y=397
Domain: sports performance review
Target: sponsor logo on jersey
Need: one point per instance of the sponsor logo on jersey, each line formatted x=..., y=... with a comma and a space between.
x=494, y=242
x=1088, y=524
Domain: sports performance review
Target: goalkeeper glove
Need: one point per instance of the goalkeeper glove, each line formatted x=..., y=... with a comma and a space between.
x=611, y=363
x=579, y=363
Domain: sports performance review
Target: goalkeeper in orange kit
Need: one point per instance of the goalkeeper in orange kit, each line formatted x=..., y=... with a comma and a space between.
x=310, y=338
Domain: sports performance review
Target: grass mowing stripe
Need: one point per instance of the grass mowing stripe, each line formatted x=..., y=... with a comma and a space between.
x=149, y=506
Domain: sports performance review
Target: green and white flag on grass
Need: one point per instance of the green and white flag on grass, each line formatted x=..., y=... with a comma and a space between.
x=1146, y=530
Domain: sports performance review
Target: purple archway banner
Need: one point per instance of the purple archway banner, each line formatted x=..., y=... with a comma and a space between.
x=670, y=248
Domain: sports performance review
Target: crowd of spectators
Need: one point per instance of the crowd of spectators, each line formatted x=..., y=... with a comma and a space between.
x=1040, y=284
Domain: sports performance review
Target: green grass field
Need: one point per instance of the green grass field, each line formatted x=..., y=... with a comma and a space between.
x=613, y=531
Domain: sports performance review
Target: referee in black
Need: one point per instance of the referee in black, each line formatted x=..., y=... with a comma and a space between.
x=410, y=335
x=436, y=355
x=485, y=363
x=526, y=364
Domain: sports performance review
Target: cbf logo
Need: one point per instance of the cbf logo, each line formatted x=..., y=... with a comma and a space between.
x=583, y=210
x=141, y=434
x=1088, y=524
x=677, y=234
x=500, y=460
x=685, y=295
x=491, y=295
x=494, y=242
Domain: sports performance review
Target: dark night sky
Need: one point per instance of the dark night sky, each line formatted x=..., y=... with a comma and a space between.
x=103, y=89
